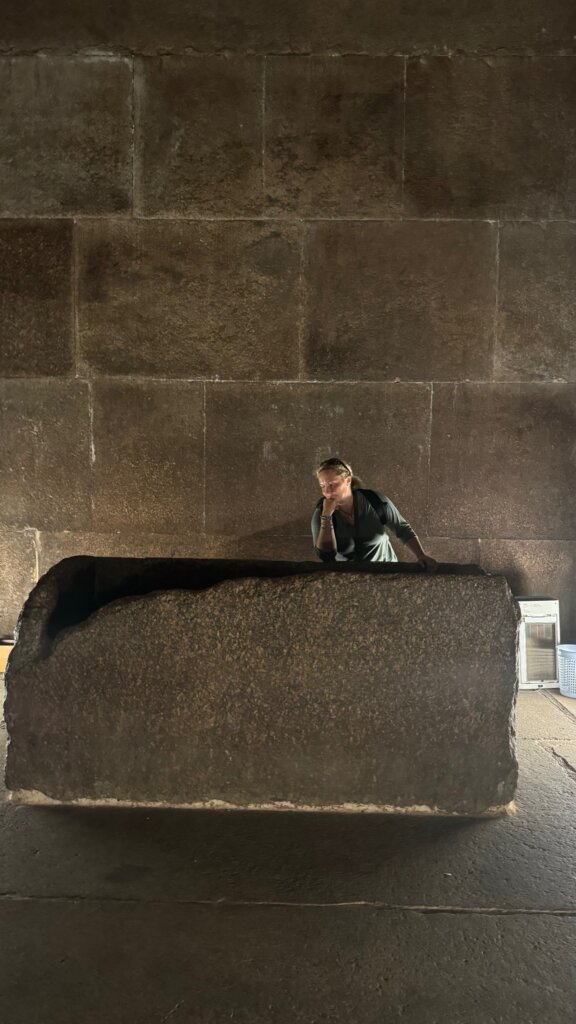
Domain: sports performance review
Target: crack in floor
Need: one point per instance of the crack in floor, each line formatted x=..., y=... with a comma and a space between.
x=280, y=904
x=566, y=765
x=560, y=706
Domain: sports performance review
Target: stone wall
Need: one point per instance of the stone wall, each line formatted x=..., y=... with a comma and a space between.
x=237, y=237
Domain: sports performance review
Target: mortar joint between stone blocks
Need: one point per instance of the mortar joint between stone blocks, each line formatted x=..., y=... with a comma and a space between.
x=429, y=466
x=37, y=553
x=204, y=448
x=74, y=292
x=495, y=332
x=403, y=144
x=263, y=128
x=133, y=131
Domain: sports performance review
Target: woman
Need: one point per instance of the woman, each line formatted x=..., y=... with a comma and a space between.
x=349, y=522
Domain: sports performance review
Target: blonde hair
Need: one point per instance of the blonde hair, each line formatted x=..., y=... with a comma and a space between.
x=342, y=468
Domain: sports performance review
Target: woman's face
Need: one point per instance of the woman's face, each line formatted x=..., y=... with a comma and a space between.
x=335, y=487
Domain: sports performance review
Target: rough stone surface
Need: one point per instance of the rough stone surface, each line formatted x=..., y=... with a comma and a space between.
x=35, y=299
x=147, y=455
x=199, y=136
x=205, y=129
x=537, y=302
x=190, y=300
x=292, y=26
x=106, y=897
x=237, y=693
x=491, y=138
x=53, y=547
x=543, y=718
x=71, y=152
x=542, y=568
x=450, y=549
x=564, y=750
x=502, y=461
x=267, y=437
x=568, y=705
x=44, y=457
x=333, y=135
x=18, y=561
x=515, y=863
x=262, y=544
x=99, y=906
x=286, y=964
x=269, y=545
x=409, y=301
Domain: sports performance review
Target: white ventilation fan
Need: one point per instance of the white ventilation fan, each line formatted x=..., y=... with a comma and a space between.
x=539, y=636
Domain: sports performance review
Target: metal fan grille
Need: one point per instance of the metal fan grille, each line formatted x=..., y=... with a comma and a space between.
x=540, y=651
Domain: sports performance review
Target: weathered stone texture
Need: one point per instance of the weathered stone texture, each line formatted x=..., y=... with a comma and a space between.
x=454, y=550
x=148, y=449
x=232, y=693
x=35, y=299
x=292, y=26
x=537, y=569
x=53, y=547
x=234, y=122
x=44, y=456
x=190, y=300
x=491, y=138
x=502, y=462
x=66, y=136
x=199, y=136
x=261, y=544
x=333, y=135
x=264, y=442
x=409, y=301
x=537, y=302
x=278, y=858
x=532, y=26
x=17, y=577
x=291, y=963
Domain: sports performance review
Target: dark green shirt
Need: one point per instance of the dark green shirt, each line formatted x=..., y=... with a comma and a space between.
x=366, y=539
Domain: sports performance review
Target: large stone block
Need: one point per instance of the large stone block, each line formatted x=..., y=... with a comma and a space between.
x=291, y=26
x=493, y=138
x=334, y=135
x=66, y=127
x=408, y=301
x=222, y=684
x=147, y=456
x=45, y=454
x=147, y=27
x=199, y=136
x=35, y=299
x=190, y=300
x=263, y=442
x=537, y=302
x=502, y=461
x=18, y=576
x=371, y=26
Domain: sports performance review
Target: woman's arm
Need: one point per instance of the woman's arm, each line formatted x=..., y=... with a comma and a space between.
x=323, y=534
x=425, y=560
x=405, y=533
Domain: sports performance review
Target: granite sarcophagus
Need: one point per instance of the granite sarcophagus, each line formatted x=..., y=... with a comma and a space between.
x=264, y=684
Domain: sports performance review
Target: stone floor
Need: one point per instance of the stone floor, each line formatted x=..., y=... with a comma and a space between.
x=157, y=917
